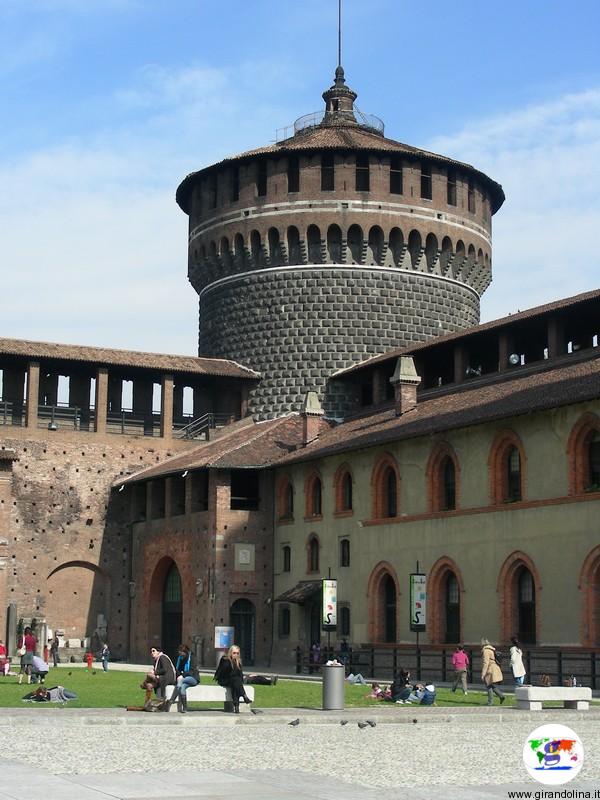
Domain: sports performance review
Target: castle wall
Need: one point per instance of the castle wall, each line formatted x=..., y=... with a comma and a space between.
x=298, y=325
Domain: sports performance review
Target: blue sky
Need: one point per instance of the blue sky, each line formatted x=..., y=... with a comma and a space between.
x=107, y=104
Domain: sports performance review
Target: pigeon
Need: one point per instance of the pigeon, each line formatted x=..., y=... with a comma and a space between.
x=69, y=673
x=343, y=722
x=294, y=722
x=255, y=711
x=371, y=722
x=362, y=724
x=415, y=721
x=93, y=672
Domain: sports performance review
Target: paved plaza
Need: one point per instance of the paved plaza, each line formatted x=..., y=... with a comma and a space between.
x=417, y=753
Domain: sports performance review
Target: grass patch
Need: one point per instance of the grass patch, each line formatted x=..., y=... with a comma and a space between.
x=118, y=689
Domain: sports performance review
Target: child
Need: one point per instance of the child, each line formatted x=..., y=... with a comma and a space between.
x=376, y=692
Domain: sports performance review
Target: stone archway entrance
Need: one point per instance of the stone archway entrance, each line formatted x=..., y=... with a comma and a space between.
x=243, y=619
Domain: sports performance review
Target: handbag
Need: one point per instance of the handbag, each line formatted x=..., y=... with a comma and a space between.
x=21, y=650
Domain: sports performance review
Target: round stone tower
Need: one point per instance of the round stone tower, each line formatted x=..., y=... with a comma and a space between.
x=332, y=245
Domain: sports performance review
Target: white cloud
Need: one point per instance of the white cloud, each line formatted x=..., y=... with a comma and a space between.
x=547, y=158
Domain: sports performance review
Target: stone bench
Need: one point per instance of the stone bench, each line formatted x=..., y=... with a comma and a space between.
x=207, y=693
x=531, y=698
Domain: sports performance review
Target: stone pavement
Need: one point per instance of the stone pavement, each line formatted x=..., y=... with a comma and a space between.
x=437, y=753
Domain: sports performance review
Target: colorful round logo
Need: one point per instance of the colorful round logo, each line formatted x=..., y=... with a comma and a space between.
x=553, y=754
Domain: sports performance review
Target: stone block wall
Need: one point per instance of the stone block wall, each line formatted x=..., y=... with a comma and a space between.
x=298, y=325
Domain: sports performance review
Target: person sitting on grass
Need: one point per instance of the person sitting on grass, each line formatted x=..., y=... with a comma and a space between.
x=376, y=692
x=422, y=695
x=400, y=687
x=356, y=679
x=39, y=670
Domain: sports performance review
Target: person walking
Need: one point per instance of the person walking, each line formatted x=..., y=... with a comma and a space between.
x=491, y=674
x=187, y=675
x=230, y=675
x=516, y=662
x=163, y=670
x=105, y=656
x=26, y=649
x=460, y=662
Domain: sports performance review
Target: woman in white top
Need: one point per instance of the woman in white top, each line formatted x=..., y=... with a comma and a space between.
x=516, y=662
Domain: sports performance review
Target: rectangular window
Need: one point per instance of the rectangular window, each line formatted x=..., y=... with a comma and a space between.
x=284, y=622
x=345, y=621
x=395, y=175
x=426, y=181
x=293, y=174
x=327, y=173
x=245, y=495
x=261, y=179
x=471, y=198
x=235, y=184
x=451, y=187
x=362, y=173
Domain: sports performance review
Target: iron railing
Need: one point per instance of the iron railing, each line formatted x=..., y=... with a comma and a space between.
x=199, y=427
x=434, y=663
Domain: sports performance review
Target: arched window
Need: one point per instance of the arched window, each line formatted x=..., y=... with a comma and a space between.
x=452, y=608
x=389, y=606
x=355, y=243
x=513, y=475
x=293, y=174
x=240, y=250
x=347, y=492
x=385, y=489
x=313, y=554
x=313, y=492
x=414, y=247
x=334, y=244
x=593, y=448
x=431, y=250
x=293, y=243
x=391, y=493
x=507, y=464
x=448, y=471
x=362, y=172
x=256, y=248
x=342, y=488
x=286, y=555
x=344, y=552
x=274, y=247
x=375, y=244
x=525, y=606
x=327, y=172
x=518, y=588
x=314, y=244
x=285, y=500
x=446, y=253
x=583, y=452
x=397, y=246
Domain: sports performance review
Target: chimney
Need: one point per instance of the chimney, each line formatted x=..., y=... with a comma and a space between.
x=312, y=413
x=405, y=382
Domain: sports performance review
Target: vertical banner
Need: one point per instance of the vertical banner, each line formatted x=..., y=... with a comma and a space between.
x=418, y=601
x=329, y=614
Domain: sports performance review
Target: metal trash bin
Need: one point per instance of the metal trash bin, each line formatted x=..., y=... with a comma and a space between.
x=333, y=687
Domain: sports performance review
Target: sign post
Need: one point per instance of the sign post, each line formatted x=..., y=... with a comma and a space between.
x=418, y=609
x=329, y=608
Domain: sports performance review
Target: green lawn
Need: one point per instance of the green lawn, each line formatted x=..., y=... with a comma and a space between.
x=116, y=689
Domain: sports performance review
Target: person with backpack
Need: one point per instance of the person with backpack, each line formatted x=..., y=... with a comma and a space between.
x=516, y=662
x=491, y=673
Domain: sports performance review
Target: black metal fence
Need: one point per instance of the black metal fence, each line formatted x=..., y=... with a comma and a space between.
x=433, y=663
